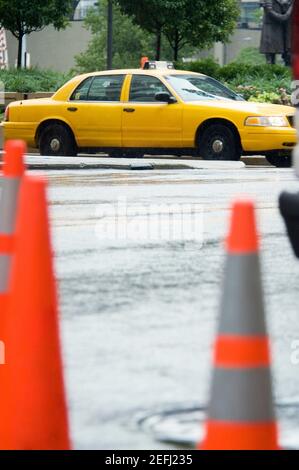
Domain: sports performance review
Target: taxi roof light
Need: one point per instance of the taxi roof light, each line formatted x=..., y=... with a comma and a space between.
x=147, y=64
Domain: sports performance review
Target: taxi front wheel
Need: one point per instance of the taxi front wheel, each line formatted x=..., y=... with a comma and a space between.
x=57, y=141
x=218, y=142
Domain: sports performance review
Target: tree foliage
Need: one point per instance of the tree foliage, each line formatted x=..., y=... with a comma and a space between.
x=130, y=42
x=195, y=22
x=22, y=17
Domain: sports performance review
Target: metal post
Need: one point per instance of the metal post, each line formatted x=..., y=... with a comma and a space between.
x=24, y=51
x=110, y=35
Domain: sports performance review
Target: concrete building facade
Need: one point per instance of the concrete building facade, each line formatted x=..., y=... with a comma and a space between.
x=51, y=49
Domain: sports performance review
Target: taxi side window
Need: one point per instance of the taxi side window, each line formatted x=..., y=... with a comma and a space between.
x=106, y=88
x=81, y=93
x=101, y=88
x=144, y=89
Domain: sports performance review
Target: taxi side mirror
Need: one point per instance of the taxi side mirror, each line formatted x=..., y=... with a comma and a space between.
x=165, y=97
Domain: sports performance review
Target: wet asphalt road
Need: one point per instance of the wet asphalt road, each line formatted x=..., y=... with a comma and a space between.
x=139, y=317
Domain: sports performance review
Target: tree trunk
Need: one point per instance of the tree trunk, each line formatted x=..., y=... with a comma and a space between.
x=20, y=50
x=110, y=36
x=158, y=45
x=176, y=47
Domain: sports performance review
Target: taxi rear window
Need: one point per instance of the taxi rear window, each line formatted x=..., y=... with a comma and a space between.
x=81, y=92
x=100, y=88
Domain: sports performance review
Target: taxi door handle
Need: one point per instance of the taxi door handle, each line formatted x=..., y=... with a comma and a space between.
x=129, y=110
x=72, y=110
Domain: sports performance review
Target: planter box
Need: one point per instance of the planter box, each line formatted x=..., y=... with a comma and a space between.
x=9, y=97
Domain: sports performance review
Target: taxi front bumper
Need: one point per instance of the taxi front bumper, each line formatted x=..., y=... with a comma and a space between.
x=267, y=139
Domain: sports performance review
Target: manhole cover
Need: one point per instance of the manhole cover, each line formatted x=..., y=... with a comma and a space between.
x=184, y=426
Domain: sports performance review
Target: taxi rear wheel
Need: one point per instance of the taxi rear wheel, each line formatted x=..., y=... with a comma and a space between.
x=218, y=142
x=57, y=140
x=280, y=161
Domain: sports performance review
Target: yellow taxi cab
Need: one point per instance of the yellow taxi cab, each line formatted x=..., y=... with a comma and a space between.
x=157, y=110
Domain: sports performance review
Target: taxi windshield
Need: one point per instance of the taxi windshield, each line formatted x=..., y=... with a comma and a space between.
x=200, y=88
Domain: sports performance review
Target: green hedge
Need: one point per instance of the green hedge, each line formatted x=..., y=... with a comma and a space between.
x=237, y=71
x=206, y=66
x=33, y=80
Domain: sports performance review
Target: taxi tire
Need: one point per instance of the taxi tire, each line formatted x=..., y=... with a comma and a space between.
x=280, y=161
x=68, y=147
x=219, y=132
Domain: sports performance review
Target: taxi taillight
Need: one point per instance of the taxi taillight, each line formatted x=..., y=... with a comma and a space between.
x=295, y=35
x=6, y=114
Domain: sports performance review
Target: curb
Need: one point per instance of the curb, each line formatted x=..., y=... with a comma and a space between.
x=101, y=166
x=256, y=161
x=35, y=162
x=106, y=163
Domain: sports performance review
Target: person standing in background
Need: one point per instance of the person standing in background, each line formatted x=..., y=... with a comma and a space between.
x=276, y=32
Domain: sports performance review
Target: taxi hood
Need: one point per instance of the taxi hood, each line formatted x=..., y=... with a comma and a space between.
x=248, y=107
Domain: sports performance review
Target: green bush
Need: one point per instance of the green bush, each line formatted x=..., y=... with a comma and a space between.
x=252, y=88
x=258, y=95
x=246, y=72
x=32, y=80
x=206, y=66
x=281, y=97
x=236, y=70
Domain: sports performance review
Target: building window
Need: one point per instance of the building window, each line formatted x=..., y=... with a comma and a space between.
x=251, y=15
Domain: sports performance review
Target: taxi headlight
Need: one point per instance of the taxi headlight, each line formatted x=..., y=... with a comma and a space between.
x=267, y=121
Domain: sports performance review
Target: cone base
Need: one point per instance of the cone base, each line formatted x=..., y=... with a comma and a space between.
x=243, y=436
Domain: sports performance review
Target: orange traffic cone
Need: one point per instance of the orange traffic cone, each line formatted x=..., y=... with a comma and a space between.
x=37, y=409
x=241, y=414
x=13, y=171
